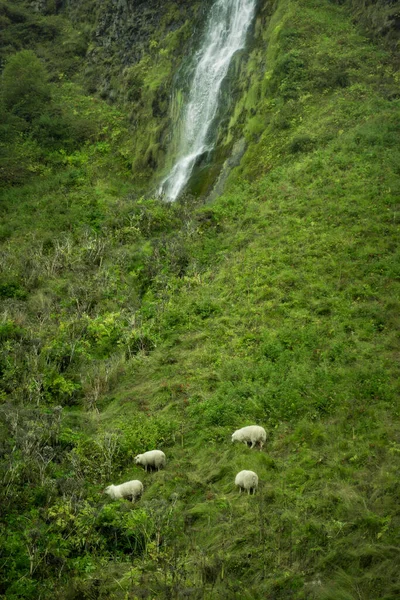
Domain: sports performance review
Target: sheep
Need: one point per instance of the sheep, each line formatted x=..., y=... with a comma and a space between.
x=133, y=489
x=154, y=459
x=247, y=480
x=253, y=434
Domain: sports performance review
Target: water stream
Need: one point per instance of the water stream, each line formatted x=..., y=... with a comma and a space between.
x=225, y=34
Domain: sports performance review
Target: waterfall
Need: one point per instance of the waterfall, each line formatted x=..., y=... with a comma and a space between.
x=225, y=34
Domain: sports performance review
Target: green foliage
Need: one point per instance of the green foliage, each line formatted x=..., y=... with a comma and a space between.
x=145, y=433
x=379, y=18
x=24, y=88
x=10, y=330
x=104, y=333
x=12, y=290
x=129, y=533
x=129, y=324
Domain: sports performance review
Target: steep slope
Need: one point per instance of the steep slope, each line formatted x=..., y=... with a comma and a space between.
x=170, y=326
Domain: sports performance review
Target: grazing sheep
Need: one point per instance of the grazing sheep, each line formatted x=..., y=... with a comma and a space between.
x=133, y=489
x=247, y=480
x=154, y=459
x=253, y=434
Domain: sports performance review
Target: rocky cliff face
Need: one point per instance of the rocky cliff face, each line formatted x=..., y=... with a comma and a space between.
x=122, y=32
x=133, y=55
x=135, y=49
x=380, y=19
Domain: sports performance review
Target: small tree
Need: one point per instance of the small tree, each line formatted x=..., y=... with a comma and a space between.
x=25, y=87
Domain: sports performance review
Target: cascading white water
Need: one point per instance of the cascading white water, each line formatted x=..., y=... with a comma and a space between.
x=224, y=35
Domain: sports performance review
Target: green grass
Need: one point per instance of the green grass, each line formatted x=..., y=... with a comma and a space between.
x=172, y=325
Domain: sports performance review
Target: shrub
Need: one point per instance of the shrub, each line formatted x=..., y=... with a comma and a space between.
x=25, y=89
x=126, y=532
x=12, y=290
x=301, y=143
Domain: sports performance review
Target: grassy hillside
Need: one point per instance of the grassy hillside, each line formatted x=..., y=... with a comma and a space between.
x=129, y=324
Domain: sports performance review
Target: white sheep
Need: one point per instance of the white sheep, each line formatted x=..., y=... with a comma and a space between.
x=247, y=480
x=253, y=433
x=153, y=459
x=133, y=489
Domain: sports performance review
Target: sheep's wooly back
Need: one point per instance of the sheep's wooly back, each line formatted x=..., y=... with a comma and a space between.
x=152, y=458
x=132, y=488
x=247, y=480
x=250, y=433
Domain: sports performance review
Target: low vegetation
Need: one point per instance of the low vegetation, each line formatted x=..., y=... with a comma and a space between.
x=128, y=324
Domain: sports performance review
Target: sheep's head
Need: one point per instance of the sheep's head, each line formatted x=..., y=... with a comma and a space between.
x=137, y=459
x=109, y=490
x=235, y=437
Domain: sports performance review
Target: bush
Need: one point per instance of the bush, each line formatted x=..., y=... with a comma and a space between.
x=301, y=143
x=10, y=331
x=126, y=532
x=12, y=290
x=25, y=88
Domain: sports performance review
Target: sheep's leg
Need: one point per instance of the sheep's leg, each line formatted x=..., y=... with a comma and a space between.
x=253, y=443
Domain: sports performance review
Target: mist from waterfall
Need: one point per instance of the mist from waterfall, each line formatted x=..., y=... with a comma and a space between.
x=225, y=34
